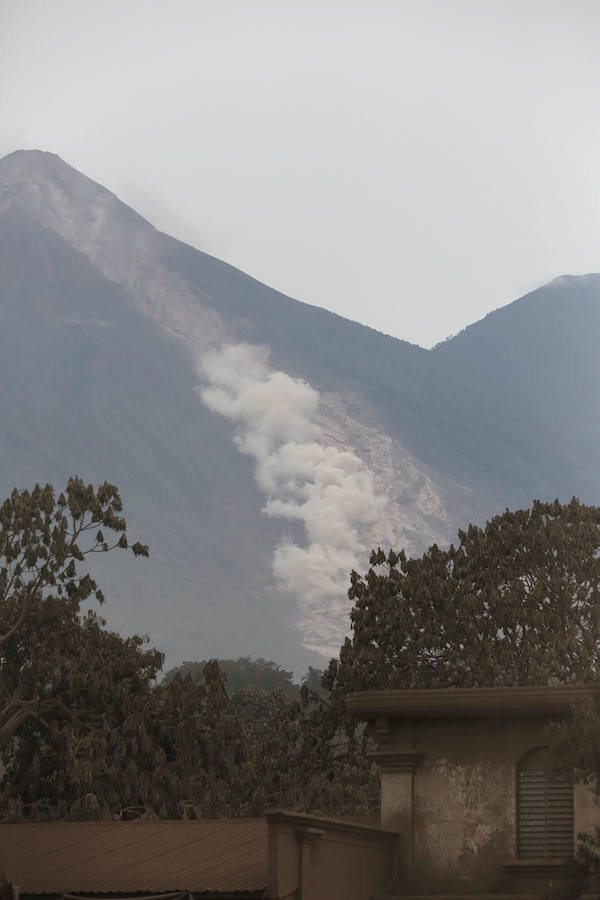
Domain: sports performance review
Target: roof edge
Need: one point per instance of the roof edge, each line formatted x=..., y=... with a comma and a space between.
x=436, y=703
x=341, y=826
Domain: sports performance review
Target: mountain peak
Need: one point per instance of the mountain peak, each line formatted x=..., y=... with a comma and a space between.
x=591, y=279
x=30, y=154
x=41, y=183
x=84, y=213
x=32, y=164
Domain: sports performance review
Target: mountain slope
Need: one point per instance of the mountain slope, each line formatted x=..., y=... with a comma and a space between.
x=92, y=387
x=108, y=326
x=538, y=358
x=541, y=352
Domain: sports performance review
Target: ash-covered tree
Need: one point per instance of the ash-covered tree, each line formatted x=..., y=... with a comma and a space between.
x=299, y=750
x=514, y=603
x=243, y=673
x=294, y=750
x=42, y=541
x=85, y=730
x=299, y=755
x=141, y=749
x=575, y=751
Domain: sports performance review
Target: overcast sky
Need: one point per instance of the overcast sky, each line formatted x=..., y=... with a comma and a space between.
x=410, y=165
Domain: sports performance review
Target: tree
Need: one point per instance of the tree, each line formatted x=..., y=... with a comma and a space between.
x=575, y=750
x=143, y=748
x=85, y=729
x=301, y=755
x=297, y=751
x=514, y=603
x=312, y=681
x=42, y=540
x=244, y=673
x=100, y=680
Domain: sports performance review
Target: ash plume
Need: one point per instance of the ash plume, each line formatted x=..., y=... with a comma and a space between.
x=329, y=491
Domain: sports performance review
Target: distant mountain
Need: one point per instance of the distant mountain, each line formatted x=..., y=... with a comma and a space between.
x=120, y=359
x=540, y=355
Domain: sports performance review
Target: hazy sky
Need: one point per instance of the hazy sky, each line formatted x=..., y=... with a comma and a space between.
x=410, y=165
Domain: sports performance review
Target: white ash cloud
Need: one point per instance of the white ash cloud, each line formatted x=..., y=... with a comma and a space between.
x=330, y=491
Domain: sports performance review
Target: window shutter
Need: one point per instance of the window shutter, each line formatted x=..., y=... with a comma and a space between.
x=544, y=813
x=560, y=816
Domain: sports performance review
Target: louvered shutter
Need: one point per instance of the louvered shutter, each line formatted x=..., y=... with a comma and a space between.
x=560, y=816
x=544, y=814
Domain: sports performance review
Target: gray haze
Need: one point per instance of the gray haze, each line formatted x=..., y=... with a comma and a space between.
x=410, y=165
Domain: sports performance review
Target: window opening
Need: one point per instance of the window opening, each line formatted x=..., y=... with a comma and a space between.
x=544, y=809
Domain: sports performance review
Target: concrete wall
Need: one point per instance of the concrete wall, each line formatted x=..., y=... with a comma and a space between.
x=457, y=807
x=317, y=858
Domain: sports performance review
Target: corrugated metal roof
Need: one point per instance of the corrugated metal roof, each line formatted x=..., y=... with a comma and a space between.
x=125, y=857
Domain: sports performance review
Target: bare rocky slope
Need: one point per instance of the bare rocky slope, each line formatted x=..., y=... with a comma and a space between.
x=350, y=438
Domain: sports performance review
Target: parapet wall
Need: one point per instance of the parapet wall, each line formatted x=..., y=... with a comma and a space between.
x=318, y=858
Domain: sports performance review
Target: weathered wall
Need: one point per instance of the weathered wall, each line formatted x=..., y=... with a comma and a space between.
x=316, y=858
x=464, y=802
x=463, y=798
x=587, y=809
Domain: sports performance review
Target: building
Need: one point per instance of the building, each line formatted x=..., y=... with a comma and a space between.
x=470, y=808
x=466, y=783
x=284, y=856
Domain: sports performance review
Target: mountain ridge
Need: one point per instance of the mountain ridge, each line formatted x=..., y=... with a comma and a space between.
x=433, y=435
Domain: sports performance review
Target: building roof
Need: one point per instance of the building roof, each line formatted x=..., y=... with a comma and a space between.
x=430, y=703
x=211, y=855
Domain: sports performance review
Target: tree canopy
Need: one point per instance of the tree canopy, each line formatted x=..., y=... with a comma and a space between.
x=43, y=539
x=87, y=730
x=514, y=603
x=247, y=674
x=243, y=673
